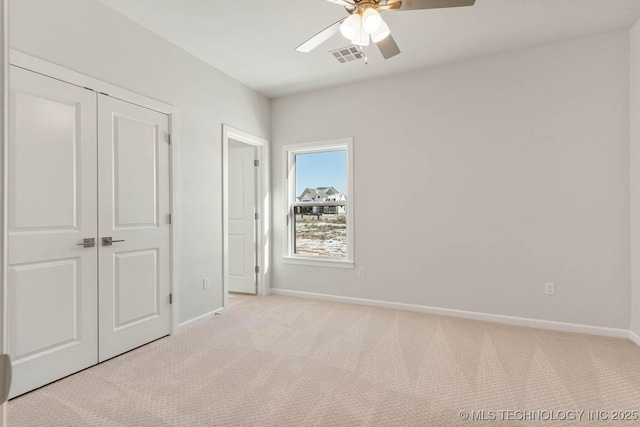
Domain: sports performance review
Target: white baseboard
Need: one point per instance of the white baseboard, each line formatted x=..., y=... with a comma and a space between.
x=486, y=317
x=634, y=337
x=198, y=320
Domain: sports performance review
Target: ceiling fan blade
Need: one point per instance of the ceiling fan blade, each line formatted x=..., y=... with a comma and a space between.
x=388, y=47
x=320, y=38
x=425, y=4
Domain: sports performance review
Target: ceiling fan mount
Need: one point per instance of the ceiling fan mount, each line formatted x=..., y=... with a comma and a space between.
x=364, y=24
x=359, y=5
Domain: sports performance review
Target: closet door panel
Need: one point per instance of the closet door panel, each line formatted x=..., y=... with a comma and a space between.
x=51, y=195
x=134, y=205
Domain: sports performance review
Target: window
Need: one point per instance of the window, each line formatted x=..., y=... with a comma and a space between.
x=319, y=203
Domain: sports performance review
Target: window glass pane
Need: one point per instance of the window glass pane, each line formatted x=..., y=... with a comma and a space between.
x=326, y=171
x=321, y=230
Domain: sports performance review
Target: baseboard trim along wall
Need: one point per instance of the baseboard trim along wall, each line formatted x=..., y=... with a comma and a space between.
x=496, y=318
x=200, y=319
x=634, y=337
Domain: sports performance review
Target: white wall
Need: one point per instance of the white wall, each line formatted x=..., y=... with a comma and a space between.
x=507, y=172
x=635, y=177
x=89, y=37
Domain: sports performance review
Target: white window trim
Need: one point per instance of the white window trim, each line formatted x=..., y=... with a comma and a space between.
x=289, y=151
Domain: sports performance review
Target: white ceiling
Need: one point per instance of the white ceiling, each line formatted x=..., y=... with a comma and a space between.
x=254, y=41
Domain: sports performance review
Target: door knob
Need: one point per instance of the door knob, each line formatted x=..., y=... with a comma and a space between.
x=107, y=241
x=87, y=243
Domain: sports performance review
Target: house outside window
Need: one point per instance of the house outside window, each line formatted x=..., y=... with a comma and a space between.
x=319, y=203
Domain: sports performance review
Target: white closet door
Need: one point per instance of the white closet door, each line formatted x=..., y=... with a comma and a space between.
x=242, y=231
x=51, y=190
x=133, y=208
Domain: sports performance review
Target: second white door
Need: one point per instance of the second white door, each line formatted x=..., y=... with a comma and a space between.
x=242, y=220
x=134, y=207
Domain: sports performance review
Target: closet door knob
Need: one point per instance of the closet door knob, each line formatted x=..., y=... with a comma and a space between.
x=108, y=241
x=88, y=243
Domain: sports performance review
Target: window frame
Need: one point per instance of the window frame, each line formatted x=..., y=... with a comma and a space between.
x=290, y=151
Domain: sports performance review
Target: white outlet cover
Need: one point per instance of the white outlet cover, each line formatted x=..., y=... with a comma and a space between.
x=550, y=288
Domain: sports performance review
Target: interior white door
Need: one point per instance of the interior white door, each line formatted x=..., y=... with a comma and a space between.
x=242, y=222
x=51, y=191
x=133, y=207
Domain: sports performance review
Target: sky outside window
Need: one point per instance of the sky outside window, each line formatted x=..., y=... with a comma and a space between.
x=327, y=169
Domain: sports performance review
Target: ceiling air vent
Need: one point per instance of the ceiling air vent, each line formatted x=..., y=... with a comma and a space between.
x=347, y=54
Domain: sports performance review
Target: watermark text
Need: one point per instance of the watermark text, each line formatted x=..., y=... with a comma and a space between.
x=549, y=415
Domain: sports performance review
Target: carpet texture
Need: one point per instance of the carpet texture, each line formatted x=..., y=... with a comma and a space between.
x=281, y=361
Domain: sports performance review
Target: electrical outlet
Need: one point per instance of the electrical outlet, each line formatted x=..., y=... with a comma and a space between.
x=550, y=288
x=361, y=272
x=205, y=284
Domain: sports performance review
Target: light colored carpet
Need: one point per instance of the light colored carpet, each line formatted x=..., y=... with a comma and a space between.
x=280, y=361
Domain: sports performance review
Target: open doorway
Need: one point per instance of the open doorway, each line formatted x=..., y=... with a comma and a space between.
x=245, y=220
x=243, y=217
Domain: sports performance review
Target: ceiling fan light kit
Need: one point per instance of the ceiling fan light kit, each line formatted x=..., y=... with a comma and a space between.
x=351, y=27
x=382, y=33
x=365, y=23
x=361, y=38
x=371, y=20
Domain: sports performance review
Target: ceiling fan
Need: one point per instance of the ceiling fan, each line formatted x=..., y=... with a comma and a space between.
x=365, y=24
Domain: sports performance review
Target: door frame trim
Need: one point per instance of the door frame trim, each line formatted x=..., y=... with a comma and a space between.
x=4, y=114
x=48, y=69
x=263, y=208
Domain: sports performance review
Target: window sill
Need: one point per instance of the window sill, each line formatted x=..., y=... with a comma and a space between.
x=312, y=262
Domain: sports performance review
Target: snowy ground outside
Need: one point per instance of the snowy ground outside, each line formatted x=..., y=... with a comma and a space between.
x=324, y=235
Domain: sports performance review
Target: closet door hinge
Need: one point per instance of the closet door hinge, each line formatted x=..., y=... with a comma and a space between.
x=169, y=138
x=256, y=163
x=170, y=298
x=169, y=219
x=257, y=269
